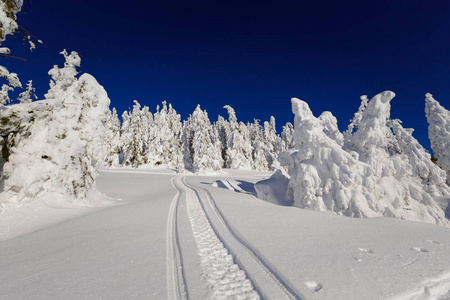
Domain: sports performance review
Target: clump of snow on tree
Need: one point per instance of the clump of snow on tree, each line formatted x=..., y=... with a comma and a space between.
x=376, y=168
x=50, y=146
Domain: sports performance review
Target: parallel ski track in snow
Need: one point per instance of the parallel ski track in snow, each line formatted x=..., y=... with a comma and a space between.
x=226, y=280
x=269, y=284
x=176, y=283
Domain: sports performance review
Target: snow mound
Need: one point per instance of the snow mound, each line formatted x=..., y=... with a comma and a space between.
x=274, y=189
x=376, y=168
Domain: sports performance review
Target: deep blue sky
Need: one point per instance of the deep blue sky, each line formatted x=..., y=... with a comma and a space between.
x=252, y=55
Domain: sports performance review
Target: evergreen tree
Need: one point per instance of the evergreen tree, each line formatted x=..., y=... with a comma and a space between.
x=112, y=146
x=287, y=137
x=125, y=140
x=238, y=143
x=205, y=152
x=439, y=132
x=29, y=93
x=63, y=78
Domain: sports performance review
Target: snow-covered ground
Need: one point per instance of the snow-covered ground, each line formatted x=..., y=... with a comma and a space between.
x=170, y=236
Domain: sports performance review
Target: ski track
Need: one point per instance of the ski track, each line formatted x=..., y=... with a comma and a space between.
x=438, y=288
x=225, y=278
x=176, y=283
x=266, y=280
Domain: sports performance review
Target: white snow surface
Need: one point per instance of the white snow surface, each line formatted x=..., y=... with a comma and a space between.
x=142, y=246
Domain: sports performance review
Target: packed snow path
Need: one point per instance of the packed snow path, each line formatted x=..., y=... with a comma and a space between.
x=267, y=281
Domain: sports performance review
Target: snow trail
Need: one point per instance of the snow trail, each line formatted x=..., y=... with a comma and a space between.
x=225, y=278
x=437, y=288
x=266, y=280
x=176, y=283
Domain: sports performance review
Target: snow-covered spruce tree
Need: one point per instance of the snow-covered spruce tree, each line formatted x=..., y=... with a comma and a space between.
x=138, y=136
x=165, y=146
x=205, y=150
x=401, y=169
x=439, y=132
x=222, y=127
x=414, y=161
x=174, y=129
x=322, y=175
x=63, y=78
x=239, y=152
x=54, y=141
x=354, y=123
x=112, y=146
x=259, y=146
x=273, y=141
x=287, y=137
x=29, y=93
x=125, y=139
x=378, y=173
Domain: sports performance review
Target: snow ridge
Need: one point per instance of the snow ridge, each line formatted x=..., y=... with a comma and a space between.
x=176, y=283
x=225, y=278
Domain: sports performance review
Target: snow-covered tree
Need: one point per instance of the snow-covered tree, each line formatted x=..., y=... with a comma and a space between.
x=125, y=139
x=204, y=149
x=29, y=93
x=63, y=78
x=8, y=25
x=165, y=146
x=381, y=171
x=354, y=123
x=439, y=132
x=238, y=143
x=112, y=145
x=259, y=146
x=53, y=145
x=272, y=140
x=323, y=175
x=287, y=137
x=373, y=137
x=414, y=161
x=138, y=134
x=222, y=127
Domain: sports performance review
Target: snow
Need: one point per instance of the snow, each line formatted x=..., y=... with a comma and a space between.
x=376, y=169
x=127, y=248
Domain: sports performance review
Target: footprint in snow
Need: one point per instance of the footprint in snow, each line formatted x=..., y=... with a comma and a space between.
x=364, y=250
x=433, y=242
x=419, y=250
x=314, y=286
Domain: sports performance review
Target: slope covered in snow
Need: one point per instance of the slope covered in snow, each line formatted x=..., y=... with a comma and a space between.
x=149, y=245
